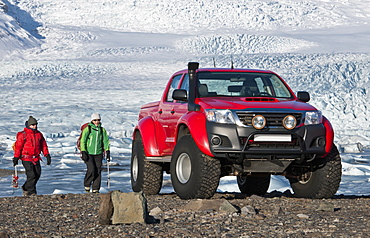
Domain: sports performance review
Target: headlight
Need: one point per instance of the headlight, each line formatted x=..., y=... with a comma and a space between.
x=259, y=122
x=220, y=116
x=313, y=118
x=289, y=122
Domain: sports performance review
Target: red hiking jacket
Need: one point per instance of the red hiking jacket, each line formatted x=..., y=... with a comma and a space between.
x=30, y=143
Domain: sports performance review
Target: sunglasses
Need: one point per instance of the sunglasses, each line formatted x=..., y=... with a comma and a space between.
x=96, y=120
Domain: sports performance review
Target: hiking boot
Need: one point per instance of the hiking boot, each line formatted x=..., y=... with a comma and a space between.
x=25, y=192
x=87, y=189
x=95, y=191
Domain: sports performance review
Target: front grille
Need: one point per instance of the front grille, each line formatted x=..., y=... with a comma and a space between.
x=272, y=119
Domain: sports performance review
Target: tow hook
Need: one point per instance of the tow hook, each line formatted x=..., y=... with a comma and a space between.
x=272, y=157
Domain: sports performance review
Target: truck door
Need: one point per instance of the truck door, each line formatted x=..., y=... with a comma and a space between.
x=168, y=115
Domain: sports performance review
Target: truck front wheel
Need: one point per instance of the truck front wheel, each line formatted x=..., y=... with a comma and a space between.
x=323, y=180
x=146, y=176
x=193, y=174
x=253, y=185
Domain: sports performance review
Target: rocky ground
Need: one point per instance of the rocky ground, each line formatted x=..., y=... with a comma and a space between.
x=274, y=215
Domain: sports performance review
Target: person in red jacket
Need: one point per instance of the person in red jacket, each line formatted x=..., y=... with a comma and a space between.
x=28, y=147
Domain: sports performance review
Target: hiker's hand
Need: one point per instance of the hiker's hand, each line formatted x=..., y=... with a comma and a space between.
x=107, y=155
x=84, y=157
x=48, y=159
x=15, y=161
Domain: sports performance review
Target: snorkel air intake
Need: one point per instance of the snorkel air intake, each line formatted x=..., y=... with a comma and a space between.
x=192, y=68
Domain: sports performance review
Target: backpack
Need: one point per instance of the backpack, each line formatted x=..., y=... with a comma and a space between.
x=79, y=138
x=24, y=135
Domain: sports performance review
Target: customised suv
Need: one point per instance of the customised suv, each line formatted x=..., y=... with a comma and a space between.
x=246, y=123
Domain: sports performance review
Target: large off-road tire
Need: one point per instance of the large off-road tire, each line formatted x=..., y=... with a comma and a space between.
x=193, y=174
x=323, y=180
x=146, y=176
x=253, y=185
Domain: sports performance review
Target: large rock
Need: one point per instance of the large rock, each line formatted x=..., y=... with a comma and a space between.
x=3, y=234
x=106, y=209
x=219, y=205
x=129, y=208
x=326, y=206
x=248, y=210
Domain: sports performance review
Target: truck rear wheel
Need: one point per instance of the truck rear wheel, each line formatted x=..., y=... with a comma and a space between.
x=146, y=176
x=253, y=185
x=193, y=174
x=323, y=180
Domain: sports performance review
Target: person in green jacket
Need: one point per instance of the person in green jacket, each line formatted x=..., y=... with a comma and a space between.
x=94, y=144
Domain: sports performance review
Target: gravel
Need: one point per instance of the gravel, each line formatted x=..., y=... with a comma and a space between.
x=275, y=215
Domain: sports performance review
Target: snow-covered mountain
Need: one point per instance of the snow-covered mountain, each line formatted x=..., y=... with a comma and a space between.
x=62, y=60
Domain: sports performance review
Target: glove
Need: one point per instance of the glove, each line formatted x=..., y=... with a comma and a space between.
x=48, y=159
x=84, y=156
x=15, y=161
x=107, y=155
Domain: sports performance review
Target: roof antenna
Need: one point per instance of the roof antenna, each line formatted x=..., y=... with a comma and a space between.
x=232, y=63
x=214, y=62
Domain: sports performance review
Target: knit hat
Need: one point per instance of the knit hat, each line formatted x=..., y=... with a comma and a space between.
x=31, y=121
x=95, y=116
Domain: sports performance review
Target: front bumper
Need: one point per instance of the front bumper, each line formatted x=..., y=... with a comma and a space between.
x=239, y=142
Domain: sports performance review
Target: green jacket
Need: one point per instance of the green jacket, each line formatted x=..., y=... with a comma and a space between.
x=94, y=140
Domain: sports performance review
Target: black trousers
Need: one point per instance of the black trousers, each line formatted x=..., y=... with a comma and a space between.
x=33, y=173
x=93, y=173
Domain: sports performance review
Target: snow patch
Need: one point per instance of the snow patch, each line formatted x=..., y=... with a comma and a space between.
x=240, y=44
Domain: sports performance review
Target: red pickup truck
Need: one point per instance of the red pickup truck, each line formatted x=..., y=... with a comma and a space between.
x=215, y=122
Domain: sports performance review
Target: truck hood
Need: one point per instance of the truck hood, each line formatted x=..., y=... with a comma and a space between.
x=242, y=103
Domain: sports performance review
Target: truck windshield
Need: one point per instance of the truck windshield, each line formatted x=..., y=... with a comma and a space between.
x=211, y=84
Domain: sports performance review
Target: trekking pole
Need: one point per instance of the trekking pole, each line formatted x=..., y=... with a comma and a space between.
x=108, y=181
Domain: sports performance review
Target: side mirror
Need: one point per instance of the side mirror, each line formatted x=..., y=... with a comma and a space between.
x=180, y=94
x=303, y=96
